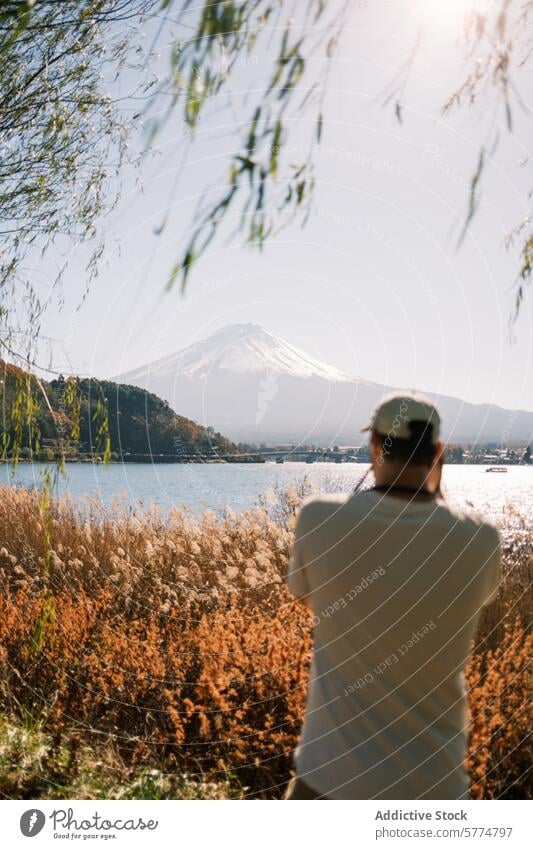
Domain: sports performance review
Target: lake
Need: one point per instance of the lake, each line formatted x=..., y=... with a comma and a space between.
x=240, y=487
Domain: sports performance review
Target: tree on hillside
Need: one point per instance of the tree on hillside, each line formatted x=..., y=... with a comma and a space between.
x=96, y=418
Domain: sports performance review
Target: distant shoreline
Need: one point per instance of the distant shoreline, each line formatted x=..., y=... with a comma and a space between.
x=143, y=460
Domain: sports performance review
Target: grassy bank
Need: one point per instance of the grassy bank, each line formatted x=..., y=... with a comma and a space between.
x=150, y=659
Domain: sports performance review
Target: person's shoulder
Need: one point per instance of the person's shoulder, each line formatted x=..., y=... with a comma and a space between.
x=471, y=522
x=316, y=506
x=325, y=501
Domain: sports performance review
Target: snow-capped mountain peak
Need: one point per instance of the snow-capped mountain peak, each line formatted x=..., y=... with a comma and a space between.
x=241, y=349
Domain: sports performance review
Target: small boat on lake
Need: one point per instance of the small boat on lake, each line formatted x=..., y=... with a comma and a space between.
x=496, y=469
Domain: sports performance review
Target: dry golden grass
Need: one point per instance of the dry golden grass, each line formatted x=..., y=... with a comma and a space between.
x=174, y=646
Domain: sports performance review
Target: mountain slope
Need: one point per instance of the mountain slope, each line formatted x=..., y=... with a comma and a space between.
x=256, y=387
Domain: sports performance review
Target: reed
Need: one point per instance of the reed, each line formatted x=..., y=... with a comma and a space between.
x=167, y=656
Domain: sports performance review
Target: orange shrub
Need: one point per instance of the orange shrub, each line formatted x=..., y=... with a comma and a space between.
x=500, y=752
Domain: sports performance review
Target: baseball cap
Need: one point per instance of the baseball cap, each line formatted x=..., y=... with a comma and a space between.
x=395, y=412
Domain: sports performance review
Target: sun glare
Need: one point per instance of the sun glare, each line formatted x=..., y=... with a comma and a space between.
x=448, y=15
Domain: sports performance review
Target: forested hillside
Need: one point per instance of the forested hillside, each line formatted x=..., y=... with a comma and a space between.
x=87, y=417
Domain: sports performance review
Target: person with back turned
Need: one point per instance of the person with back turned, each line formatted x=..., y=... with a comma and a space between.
x=396, y=579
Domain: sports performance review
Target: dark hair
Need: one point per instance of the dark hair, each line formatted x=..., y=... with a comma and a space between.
x=418, y=449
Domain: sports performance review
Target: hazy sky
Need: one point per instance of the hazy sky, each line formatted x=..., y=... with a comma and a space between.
x=374, y=284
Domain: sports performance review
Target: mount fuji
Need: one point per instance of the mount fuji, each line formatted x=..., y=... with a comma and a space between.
x=255, y=387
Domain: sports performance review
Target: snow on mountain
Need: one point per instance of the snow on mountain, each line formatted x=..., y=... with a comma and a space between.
x=240, y=348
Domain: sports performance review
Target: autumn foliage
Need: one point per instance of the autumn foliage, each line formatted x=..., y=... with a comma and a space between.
x=175, y=645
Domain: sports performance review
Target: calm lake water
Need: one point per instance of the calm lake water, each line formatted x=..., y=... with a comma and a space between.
x=240, y=487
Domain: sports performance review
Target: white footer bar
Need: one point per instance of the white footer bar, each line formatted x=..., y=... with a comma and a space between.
x=262, y=825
